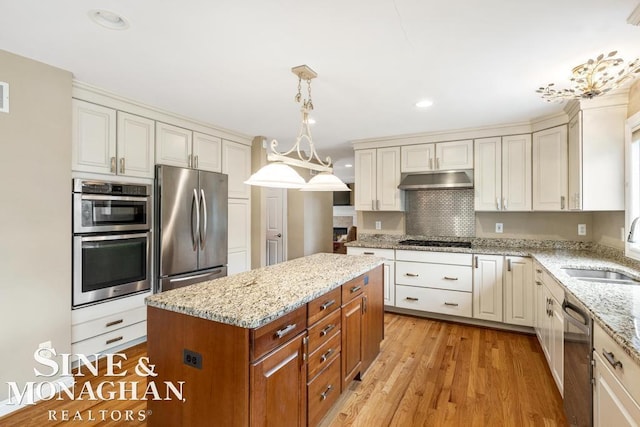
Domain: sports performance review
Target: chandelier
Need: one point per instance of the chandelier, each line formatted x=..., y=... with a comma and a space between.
x=594, y=78
x=279, y=172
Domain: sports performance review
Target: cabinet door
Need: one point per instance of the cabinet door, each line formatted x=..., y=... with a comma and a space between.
x=136, y=139
x=516, y=173
x=550, y=169
x=239, y=237
x=93, y=138
x=389, y=198
x=351, y=340
x=556, y=342
x=518, y=291
x=541, y=314
x=417, y=158
x=365, y=180
x=207, y=151
x=487, y=174
x=372, y=317
x=236, y=162
x=574, y=161
x=612, y=404
x=390, y=283
x=173, y=145
x=278, y=387
x=487, y=287
x=454, y=155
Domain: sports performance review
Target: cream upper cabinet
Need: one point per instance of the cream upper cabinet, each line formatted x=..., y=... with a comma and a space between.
x=173, y=145
x=236, y=162
x=502, y=173
x=596, y=144
x=550, y=169
x=136, y=139
x=93, y=138
x=110, y=142
x=487, y=287
x=437, y=156
x=207, y=152
x=518, y=291
x=377, y=179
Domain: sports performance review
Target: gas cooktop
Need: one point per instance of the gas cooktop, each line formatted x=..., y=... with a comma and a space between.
x=435, y=243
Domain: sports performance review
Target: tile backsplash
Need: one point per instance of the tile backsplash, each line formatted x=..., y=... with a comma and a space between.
x=441, y=213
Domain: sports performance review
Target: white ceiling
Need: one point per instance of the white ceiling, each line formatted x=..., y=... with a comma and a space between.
x=228, y=62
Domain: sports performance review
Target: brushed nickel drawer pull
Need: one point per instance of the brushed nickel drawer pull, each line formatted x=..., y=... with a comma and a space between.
x=327, y=304
x=115, y=322
x=450, y=278
x=411, y=274
x=368, y=253
x=611, y=359
x=411, y=299
x=112, y=340
x=285, y=331
x=476, y=258
x=538, y=270
x=355, y=289
x=325, y=356
x=451, y=304
x=327, y=329
x=325, y=393
x=113, y=165
x=509, y=265
x=538, y=282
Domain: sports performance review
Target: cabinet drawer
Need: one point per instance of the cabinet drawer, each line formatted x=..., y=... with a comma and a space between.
x=383, y=253
x=323, y=392
x=354, y=288
x=434, y=300
x=324, y=355
x=435, y=257
x=111, y=339
x=627, y=372
x=322, y=331
x=92, y=328
x=277, y=332
x=441, y=276
x=322, y=306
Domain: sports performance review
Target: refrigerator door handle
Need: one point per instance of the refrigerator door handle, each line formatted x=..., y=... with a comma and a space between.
x=203, y=231
x=195, y=203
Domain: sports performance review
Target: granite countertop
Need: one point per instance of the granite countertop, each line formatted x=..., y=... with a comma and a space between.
x=615, y=307
x=255, y=298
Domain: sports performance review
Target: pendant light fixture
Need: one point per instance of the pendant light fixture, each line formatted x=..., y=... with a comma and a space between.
x=279, y=173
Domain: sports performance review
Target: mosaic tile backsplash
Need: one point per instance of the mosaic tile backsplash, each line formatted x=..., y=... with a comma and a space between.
x=441, y=213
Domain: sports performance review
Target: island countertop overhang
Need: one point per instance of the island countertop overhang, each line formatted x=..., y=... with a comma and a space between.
x=254, y=298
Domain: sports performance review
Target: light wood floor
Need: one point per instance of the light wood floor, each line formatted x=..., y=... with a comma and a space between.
x=428, y=373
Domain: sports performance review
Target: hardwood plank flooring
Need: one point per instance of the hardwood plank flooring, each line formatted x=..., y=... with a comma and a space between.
x=428, y=373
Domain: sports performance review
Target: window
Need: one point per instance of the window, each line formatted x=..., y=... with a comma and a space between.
x=632, y=211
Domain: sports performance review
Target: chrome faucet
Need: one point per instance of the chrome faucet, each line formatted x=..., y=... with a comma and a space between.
x=631, y=238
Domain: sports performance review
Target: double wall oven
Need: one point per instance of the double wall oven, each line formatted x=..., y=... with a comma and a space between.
x=111, y=240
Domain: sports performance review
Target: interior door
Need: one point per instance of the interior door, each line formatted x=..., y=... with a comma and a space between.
x=275, y=233
x=212, y=235
x=177, y=196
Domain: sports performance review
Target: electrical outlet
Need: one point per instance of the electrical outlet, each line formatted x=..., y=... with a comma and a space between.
x=47, y=352
x=192, y=358
x=582, y=229
x=378, y=225
x=499, y=227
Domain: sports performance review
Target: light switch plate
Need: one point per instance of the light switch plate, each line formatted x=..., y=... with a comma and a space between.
x=499, y=227
x=582, y=229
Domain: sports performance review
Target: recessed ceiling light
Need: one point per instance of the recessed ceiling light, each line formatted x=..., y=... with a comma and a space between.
x=348, y=165
x=108, y=19
x=424, y=103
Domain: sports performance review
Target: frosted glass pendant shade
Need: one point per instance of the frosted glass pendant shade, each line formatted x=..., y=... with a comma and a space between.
x=276, y=175
x=325, y=181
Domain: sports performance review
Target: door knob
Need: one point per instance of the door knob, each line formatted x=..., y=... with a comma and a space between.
x=279, y=235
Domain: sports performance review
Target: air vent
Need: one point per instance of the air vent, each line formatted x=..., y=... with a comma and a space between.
x=4, y=97
x=634, y=18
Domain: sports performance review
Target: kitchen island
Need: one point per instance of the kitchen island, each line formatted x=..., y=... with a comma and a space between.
x=271, y=346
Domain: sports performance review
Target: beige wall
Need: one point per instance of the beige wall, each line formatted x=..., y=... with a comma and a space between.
x=318, y=222
x=634, y=99
x=258, y=215
x=392, y=222
x=606, y=228
x=35, y=216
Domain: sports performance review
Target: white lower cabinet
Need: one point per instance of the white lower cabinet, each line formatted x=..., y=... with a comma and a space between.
x=519, y=302
x=616, y=383
x=487, y=283
x=434, y=300
x=389, y=295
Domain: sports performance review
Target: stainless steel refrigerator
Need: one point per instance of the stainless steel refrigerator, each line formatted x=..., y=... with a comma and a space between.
x=191, y=222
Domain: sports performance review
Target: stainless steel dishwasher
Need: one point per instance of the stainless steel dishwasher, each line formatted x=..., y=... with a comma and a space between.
x=578, y=369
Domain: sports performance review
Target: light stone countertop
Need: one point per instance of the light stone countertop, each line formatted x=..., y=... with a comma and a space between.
x=255, y=298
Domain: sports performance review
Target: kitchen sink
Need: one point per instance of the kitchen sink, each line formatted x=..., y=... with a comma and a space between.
x=607, y=276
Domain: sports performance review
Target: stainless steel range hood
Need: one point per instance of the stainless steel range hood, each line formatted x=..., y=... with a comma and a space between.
x=437, y=180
